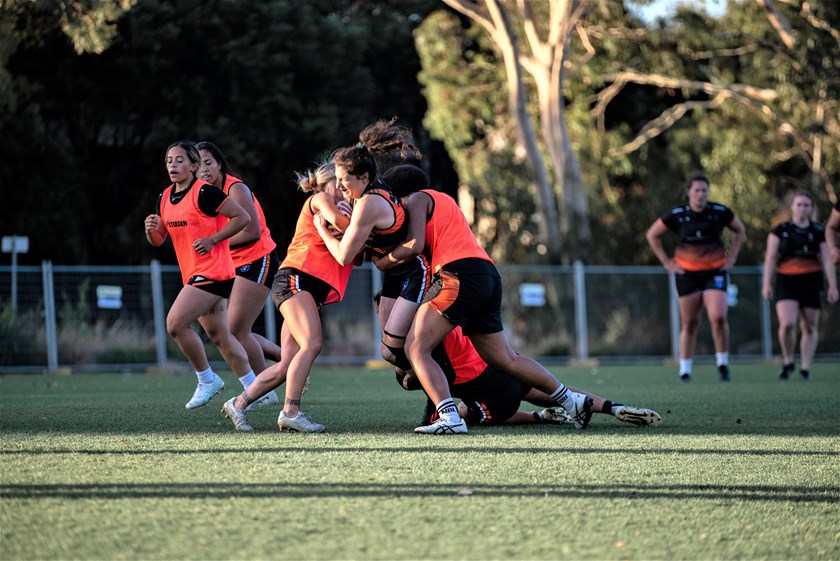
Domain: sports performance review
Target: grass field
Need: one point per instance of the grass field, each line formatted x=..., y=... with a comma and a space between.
x=113, y=467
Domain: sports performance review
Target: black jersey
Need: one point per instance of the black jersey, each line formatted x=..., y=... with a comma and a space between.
x=799, y=248
x=700, y=246
x=381, y=241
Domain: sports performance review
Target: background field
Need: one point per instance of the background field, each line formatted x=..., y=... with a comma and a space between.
x=111, y=466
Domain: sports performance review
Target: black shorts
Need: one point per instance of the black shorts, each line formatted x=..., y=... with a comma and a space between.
x=806, y=289
x=260, y=271
x=410, y=280
x=289, y=281
x=468, y=292
x=700, y=281
x=217, y=287
x=492, y=398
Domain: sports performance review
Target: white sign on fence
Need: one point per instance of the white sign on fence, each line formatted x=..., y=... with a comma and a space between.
x=109, y=297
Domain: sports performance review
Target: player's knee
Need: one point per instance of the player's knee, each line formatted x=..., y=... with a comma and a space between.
x=397, y=357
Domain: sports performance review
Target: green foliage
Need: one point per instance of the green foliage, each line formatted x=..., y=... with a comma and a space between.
x=466, y=91
x=276, y=84
x=18, y=330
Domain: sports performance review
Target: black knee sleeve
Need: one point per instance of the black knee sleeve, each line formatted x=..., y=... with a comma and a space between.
x=400, y=359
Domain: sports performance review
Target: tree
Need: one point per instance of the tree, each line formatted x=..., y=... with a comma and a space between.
x=563, y=205
x=85, y=122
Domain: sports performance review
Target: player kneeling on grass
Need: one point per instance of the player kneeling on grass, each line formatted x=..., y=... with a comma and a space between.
x=492, y=397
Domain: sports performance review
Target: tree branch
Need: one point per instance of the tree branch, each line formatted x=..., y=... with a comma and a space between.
x=779, y=23
x=665, y=121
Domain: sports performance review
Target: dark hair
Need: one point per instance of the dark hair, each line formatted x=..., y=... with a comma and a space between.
x=217, y=154
x=696, y=176
x=379, y=140
x=187, y=146
x=804, y=193
x=405, y=179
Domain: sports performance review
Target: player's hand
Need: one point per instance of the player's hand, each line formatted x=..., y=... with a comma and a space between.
x=203, y=245
x=831, y=298
x=151, y=223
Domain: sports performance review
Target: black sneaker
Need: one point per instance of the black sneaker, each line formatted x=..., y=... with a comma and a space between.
x=724, y=372
x=805, y=374
x=685, y=377
x=785, y=370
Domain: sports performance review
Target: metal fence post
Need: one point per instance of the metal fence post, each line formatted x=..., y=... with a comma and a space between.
x=376, y=286
x=49, y=315
x=269, y=320
x=158, y=316
x=580, y=312
x=766, y=343
x=675, y=315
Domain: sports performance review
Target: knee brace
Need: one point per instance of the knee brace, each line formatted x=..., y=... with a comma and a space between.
x=400, y=358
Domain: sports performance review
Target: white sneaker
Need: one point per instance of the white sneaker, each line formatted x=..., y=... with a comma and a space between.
x=268, y=399
x=240, y=421
x=441, y=426
x=579, y=408
x=554, y=416
x=204, y=392
x=301, y=423
x=637, y=416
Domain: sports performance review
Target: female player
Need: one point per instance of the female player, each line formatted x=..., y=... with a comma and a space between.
x=378, y=224
x=701, y=266
x=307, y=279
x=254, y=260
x=200, y=219
x=797, y=250
x=468, y=294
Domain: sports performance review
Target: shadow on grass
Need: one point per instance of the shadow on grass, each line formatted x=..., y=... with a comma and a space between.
x=226, y=491
x=491, y=450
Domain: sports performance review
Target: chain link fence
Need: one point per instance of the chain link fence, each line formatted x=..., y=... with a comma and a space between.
x=113, y=318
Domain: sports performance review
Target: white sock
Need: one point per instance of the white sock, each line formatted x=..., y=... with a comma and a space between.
x=447, y=410
x=247, y=379
x=685, y=365
x=206, y=377
x=722, y=358
x=559, y=395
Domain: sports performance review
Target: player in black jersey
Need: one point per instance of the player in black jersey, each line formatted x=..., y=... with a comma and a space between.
x=701, y=265
x=832, y=232
x=798, y=252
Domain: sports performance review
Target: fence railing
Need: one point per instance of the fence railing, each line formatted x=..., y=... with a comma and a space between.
x=113, y=318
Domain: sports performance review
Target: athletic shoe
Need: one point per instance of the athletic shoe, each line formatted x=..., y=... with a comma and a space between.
x=441, y=426
x=637, y=416
x=301, y=423
x=806, y=375
x=579, y=408
x=204, y=392
x=240, y=421
x=724, y=372
x=785, y=370
x=685, y=377
x=268, y=399
x=554, y=416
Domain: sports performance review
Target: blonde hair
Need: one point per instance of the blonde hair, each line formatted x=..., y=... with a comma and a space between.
x=316, y=180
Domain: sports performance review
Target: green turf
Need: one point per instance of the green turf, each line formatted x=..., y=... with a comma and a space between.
x=113, y=467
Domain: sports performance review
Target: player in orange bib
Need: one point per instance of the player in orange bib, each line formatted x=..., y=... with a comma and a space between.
x=468, y=294
x=701, y=265
x=797, y=250
x=254, y=260
x=308, y=278
x=199, y=218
